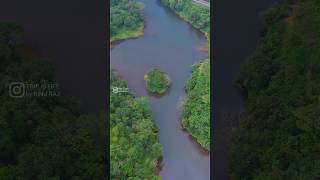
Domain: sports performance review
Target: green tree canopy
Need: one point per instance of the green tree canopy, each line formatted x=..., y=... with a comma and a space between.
x=134, y=146
x=156, y=81
x=280, y=137
x=43, y=137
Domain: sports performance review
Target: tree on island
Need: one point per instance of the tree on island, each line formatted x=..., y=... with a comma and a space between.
x=156, y=81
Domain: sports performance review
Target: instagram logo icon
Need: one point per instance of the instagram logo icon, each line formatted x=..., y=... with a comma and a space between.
x=16, y=89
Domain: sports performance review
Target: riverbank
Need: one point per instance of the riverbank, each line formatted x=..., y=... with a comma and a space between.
x=128, y=34
x=126, y=20
x=196, y=110
x=201, y=12
x=200, y=18
x=134, y=145
x=172, y=46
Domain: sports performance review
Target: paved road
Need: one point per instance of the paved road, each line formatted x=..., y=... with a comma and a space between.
x=203, y=2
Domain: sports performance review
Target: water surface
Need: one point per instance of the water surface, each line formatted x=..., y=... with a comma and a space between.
x=171, y=45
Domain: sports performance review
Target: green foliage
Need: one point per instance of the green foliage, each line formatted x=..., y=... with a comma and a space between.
x=196, y=110
x=43, y=137
x=126, y=19
x=198, y=15
x=156, y=81
x=280, y=138
x=134, y=146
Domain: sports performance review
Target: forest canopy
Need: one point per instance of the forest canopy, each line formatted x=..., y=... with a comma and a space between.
x=156, y=81
x=280, y=136
x=134, y=146
x=126, y=19
x=43, y=137
x=196, y=109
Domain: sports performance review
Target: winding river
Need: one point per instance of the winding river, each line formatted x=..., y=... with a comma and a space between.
x=72, y=35
x=172, y=45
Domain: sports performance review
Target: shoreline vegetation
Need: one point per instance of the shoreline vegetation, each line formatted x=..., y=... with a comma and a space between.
x=134, y=145
x=279, y=138
x=196, y=109
x=195, y=14
x=128, y=34
x=126, y=20
x=157, y=82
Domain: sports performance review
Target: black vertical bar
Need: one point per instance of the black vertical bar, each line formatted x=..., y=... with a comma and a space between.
x=108, y=88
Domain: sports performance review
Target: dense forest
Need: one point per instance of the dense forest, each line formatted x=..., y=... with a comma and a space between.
x=196, y=110
x=43, y=137
x=134, y=146
x=279, y=138
x=156, y=81
x=126, y=19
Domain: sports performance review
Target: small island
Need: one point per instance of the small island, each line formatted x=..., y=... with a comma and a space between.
x=156, y=81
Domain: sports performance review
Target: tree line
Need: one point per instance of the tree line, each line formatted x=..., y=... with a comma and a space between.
x=196, y=109
x=126, y=19
x=197, y=14
x=280, y=136
x=134, y=146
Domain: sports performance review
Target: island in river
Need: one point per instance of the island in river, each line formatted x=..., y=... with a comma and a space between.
x=196, y=108
x=169, y=44
x=157, y=81
x=134, y=144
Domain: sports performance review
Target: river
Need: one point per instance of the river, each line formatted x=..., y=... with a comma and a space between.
x=172, y=45
x=72, y=35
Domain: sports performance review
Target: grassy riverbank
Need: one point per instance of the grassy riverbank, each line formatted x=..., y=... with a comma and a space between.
x=280, y=136
x=126, y=19
x=128, y=33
